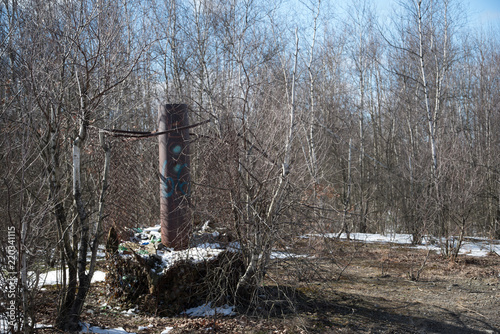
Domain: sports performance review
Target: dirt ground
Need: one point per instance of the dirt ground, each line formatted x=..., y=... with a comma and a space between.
x=358, y=288
x=379, y=293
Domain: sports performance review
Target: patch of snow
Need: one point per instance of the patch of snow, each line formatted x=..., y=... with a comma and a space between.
x=55, y=277
x=98, y=330
x=167, y=330
x=194, y=255
x=205, y=226
x=209, y=245
x=155, y=235
x=141, y=328
x=130, y=312
x=50, y=278
x=397, y=238
x=100, y=254
x=286, y=255
x=471, y=246
x=99, y=276
x=156, y=228
x=206, y=310
x=479, y=248
x=5, y=328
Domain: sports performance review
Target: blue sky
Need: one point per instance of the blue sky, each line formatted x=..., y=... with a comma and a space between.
x=480, y=12
x=485, y=11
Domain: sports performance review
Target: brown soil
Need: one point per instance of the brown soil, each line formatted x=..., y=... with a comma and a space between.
x=355, y=289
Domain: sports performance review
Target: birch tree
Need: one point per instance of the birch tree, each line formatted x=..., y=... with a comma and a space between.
x=428, y=45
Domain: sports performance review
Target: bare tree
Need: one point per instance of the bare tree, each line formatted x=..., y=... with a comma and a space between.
x=72, y=54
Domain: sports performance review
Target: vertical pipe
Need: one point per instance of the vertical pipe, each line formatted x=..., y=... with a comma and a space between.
x=174, y=174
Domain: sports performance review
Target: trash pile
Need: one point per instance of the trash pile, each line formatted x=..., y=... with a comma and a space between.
x=166, y=282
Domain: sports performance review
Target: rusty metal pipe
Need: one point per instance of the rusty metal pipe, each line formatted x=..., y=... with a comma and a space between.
x=174, y=176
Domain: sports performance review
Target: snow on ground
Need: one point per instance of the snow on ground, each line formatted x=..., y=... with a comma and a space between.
x=207, y=310
x=154, y=232
x=130, y=312
x=195, y=255
x=141, y=328
x=86, y=328
x=471, y=246
x=280, y=255
x=55, y=277
x=202, y=252
x=4, y=325
x=99, y=276
x=480, y=249
x=98, y=330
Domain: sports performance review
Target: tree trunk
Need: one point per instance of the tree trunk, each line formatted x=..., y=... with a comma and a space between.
x=69, y=314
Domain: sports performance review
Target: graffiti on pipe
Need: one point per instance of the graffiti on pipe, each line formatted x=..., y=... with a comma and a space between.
x=170, y=185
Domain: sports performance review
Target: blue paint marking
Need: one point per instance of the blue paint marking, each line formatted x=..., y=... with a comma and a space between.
x=168, y=182
x=164, y=182
x=177, y=149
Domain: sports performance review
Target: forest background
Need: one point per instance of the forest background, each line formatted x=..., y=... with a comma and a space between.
x=323, y=118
